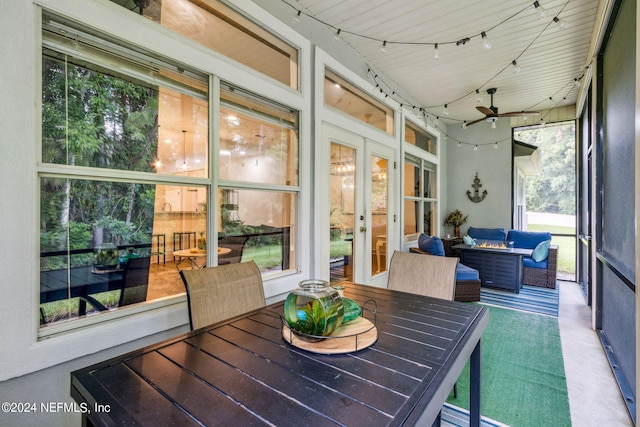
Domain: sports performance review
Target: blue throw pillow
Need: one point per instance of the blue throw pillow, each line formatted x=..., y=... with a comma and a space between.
x=541, y=252
x=431, y=244
x=468, y=240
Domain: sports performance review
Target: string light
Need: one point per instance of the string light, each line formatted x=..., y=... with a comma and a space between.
x=485, y=41
x=436, y=54
x=561, y=22
x=542, y=12
x=445, y=111
x=383, y=48
x=296, y=19
x=475, y=148
x=464, y=124
x=515, y=68
x=336, y=36
x=478, y=96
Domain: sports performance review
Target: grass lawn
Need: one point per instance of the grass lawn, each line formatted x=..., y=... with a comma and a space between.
x=567, y=245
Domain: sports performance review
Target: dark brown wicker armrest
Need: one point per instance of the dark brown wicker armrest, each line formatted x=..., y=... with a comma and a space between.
x=552, y=265
x=418, y=251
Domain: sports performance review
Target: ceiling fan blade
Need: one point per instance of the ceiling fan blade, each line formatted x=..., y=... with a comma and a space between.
x=486, y=111
x=519, y=113
x=476, y=121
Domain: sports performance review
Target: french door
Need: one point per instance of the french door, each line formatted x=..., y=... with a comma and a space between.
x=361, y=214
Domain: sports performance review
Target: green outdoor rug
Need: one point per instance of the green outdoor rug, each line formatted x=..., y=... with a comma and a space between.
x=523, y=381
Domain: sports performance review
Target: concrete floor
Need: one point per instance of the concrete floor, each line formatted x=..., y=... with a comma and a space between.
x=594, y=397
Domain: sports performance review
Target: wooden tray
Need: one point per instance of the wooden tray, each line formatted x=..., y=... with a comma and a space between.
x=354, y=336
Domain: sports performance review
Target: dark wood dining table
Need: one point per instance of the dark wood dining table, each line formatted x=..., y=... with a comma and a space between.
x=242, y=372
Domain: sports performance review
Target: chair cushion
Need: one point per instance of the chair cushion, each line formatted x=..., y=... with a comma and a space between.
x=527, y=239
x=541, y=252
x=529, y=262
x=487, y=233
x=466, y=273
x=431, y=244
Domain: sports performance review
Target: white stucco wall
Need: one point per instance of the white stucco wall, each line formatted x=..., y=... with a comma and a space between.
x=493, y=166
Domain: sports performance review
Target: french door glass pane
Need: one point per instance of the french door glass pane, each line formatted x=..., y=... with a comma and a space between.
x=379, y=203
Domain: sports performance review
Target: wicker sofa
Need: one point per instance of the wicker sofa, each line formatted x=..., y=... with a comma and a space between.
x=467, y=279
x=536, y=273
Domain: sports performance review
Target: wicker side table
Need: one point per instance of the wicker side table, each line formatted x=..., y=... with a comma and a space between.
x=448, y=245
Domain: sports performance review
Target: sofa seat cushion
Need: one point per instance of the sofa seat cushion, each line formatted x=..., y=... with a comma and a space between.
x=529, y=262
x=466, y=273
x=497, y=234
x=431, y=244
x=527, y=239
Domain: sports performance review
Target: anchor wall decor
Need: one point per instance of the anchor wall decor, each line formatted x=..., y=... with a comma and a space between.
x=476, y=198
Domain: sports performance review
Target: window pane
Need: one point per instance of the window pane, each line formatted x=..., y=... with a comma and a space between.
x=90, y=233
x=429, y=184
x=411, y=177
x=260, y=226
x=429, y=216
x=97, y=118
x=347, y=98
x=410, y=217
x=258, y=141
x=421, y=139
x=220, y=28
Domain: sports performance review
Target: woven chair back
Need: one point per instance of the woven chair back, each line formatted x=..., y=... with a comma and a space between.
x=218, y=293
x=433, y=276
x=136, y=281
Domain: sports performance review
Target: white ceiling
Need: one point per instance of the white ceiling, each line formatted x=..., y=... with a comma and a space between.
x=550, y=58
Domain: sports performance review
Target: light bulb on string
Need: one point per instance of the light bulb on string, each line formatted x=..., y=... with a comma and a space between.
x=475, y=148
x=459, y=144
x=493, y=124
x=478, y=96
x=336, y=36
x=296, y=19
x=436, y=54
x=561, y=22
x=515, y=68
x=383, y=48
x=542, y=12
x=445, y=111
x=485, y=41
x=464, y=124
x=495, y=146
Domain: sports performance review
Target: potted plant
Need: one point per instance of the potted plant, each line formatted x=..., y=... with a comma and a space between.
x=456, y=219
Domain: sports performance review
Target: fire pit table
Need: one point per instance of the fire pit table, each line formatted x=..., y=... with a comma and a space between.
x=499, y=267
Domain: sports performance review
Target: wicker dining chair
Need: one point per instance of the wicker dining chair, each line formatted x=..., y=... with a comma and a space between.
x=221, y=292
x=429, y=275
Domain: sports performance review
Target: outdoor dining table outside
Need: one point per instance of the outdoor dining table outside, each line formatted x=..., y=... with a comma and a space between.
x=241, y=371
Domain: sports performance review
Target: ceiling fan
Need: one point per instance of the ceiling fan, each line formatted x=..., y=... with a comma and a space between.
x=491, y=114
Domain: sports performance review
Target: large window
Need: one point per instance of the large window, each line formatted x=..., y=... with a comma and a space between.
x=258, y=171
x=124, y=173
x=220, y=28
x=421, y=139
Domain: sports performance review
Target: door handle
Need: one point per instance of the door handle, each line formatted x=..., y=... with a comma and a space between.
x=363, y=229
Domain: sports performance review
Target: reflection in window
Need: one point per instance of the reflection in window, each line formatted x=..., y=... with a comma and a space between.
x=414, y=135
x=220, y=28
x=419, y=197
x=349, y=99
x=257, y=225
x=105, y=244
x=258, y=148
x=111, y=230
